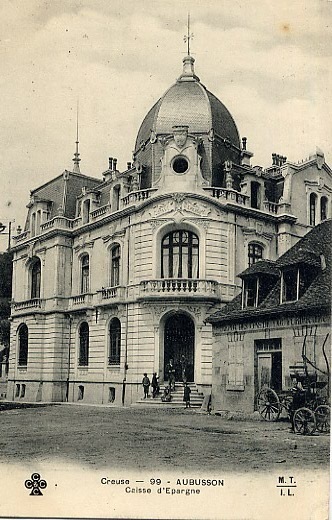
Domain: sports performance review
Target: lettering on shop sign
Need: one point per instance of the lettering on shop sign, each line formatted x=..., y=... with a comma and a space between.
x=307, y=321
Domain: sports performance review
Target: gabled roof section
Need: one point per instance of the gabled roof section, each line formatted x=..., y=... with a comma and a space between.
x=314, y=248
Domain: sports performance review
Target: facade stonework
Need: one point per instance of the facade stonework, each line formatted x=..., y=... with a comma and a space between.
x=113, y=277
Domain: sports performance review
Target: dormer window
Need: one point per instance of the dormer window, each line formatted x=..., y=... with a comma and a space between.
x=250, y=292
x=295, y=280
x=255, y=194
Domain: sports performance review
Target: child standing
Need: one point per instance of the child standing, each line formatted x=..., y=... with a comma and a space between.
x=146, y=385
x=186, y=395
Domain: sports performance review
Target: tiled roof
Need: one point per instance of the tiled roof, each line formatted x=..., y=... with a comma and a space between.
x=261, y=267
x=318, y=295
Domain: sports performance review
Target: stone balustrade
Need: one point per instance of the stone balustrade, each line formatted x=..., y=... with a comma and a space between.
x=137, y=196
x=100, y=211
x=228, y=195
x=34, y=303
x=179, y=286
x=80, y=300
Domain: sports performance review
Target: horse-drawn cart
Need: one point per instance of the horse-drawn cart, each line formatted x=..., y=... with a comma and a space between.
x=306, y=404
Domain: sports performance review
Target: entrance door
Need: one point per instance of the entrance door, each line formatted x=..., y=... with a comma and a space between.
x=179, y=339
x=270, y=370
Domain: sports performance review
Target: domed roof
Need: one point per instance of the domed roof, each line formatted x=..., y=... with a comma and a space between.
x=188, y=103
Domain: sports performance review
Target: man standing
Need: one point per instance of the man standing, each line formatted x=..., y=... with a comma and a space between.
x=186, y=395
x=146, y=385
x=171, y=374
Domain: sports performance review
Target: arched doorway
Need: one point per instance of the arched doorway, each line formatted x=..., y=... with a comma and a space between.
x=179, y=339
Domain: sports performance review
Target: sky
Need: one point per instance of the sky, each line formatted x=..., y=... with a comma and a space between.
x=269, y=62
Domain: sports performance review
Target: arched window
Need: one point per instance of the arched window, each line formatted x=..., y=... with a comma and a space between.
x=312, y=209
x=83, y=356
x=23, y=343
x=323, y=208
x=255, y=253
x=180, y=255
x=35, y=272
x=114, y=342
x=115, y=266
x=85, y=274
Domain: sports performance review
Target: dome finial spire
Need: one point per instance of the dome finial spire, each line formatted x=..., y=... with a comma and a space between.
x=189, y=36
x=188, y=73
x=76, y=159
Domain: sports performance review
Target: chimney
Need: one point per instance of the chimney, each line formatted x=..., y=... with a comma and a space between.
x=128, y=165
x=110, y=163
x=114, y=164
x=274, y=159
x=244, y=143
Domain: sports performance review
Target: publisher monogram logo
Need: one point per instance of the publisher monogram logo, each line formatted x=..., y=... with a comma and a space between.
x=36, y=484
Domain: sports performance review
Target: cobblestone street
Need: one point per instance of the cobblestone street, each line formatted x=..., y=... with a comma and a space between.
x=140, y=439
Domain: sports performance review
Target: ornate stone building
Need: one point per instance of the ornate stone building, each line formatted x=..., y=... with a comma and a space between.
x=115, y=276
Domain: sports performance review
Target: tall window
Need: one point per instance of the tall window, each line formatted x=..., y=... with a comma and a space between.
x=180, y=255
x=85, y=274
x=312, y=209
x=255, y=195
x=83, y=357
x=35, y=279
x=23, y=343
x=116, y=198
x=86, y=211
x=323, y=208
x=114, y=342
x=33, y=224
x=115, y=266
x=255, y=253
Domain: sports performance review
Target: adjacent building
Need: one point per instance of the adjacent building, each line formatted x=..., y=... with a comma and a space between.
x=115, y=276
x=282, y=314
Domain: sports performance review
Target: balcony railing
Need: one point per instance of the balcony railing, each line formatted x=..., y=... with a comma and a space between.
x=58, y=223
x=34, y=303
x=228, y=195
x=270, y=207
x=138, y=196
x=21, y=236
x=179, y=286
x=100, y=211
x=111, y=293
x=80, y=300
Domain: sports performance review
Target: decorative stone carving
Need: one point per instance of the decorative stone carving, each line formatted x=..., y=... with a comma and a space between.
x=162, y=208
x=199, y=222
x=196, y=207
x=180, y=134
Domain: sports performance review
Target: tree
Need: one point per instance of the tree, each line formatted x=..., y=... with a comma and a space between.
x=6, y=272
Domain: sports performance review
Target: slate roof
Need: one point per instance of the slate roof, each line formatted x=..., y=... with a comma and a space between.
x=262, y=267
x=317, y=244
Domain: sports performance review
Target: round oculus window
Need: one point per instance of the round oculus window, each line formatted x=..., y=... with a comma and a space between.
x=180, y=165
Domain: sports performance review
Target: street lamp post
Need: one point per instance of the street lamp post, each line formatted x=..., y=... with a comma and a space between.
x=9, y=232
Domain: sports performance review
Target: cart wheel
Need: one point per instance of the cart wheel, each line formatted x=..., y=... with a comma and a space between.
x=322, y=415
x=268, y=404
x=304, y=421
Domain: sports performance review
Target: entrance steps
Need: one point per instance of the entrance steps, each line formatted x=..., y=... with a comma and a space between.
x=196, y=398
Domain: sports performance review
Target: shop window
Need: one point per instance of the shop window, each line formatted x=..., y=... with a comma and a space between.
x=312, y=209
x=323, y=208
x=255, y=253
x=85, y=274
x=115, y=266
x=180, y=255
x=114, y=342
x=83, y=359
x=23, y=344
